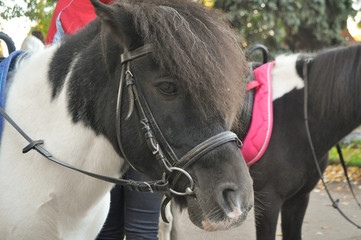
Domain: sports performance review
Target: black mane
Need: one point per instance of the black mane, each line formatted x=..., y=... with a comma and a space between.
x=191, y=44
x=335, y=75
x=195, y=46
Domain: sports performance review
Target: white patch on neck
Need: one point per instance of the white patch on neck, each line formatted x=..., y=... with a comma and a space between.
x=284, y=76
x=43, y=200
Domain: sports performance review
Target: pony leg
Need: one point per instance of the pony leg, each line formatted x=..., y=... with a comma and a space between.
x=266, y=216
x=293, y=212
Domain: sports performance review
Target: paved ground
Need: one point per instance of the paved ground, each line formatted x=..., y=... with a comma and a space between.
x=322, y=221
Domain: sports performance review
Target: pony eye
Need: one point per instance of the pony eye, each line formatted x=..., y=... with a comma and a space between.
x=167, y=88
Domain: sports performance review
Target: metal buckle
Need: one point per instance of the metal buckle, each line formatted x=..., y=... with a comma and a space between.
x=148, y=185
x=188, y=190
x=239, y=143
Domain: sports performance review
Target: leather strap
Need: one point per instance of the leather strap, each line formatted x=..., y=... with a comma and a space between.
x=151, y=186
x=198, y=151
x=139, y=52
x=343, y=163
x=204, y=147
x=305, y=112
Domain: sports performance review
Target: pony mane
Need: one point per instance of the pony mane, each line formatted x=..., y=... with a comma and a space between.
x=335, y=82
x=193, y=45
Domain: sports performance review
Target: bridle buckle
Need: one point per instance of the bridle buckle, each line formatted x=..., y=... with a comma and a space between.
x=189, y=190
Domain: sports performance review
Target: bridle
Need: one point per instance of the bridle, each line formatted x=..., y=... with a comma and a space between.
x=172, y=166
x=154, y=138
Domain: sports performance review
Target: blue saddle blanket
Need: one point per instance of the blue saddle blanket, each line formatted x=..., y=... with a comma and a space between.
x=6, y=66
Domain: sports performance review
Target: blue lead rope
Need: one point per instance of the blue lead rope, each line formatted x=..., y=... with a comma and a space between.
x=6, y=66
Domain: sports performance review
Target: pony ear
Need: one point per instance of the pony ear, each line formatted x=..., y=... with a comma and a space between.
x=118, y=21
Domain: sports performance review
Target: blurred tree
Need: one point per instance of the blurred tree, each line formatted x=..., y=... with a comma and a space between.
x=281, y=25
x=289, y=25
x=39, y=11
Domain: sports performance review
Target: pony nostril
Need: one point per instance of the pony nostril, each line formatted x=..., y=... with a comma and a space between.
x=228, y=197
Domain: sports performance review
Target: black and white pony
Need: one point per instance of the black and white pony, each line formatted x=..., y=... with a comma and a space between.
x=161, y=75
x=287, y=173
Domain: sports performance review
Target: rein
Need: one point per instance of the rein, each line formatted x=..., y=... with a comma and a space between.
x=130, y=184
x=334, y=202
x=171, y=165
x=343, y=163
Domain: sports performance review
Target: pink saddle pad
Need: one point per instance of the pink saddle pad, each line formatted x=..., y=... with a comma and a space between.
x=256, y=141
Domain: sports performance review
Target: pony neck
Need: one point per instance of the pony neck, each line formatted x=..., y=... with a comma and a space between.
x=33, y=107
x=335, y=94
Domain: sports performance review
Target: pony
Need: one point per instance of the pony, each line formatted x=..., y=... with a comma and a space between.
x=149, y=84
x=286, y=173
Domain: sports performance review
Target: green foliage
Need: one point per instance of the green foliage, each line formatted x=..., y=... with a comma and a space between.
x=351, y=149
x=39, y=11
x=281, y=25
x=351, y=154
x=285, y=25
x=10, y=11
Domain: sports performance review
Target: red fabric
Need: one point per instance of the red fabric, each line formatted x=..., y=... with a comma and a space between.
x=260, y=130
x=75, y=14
